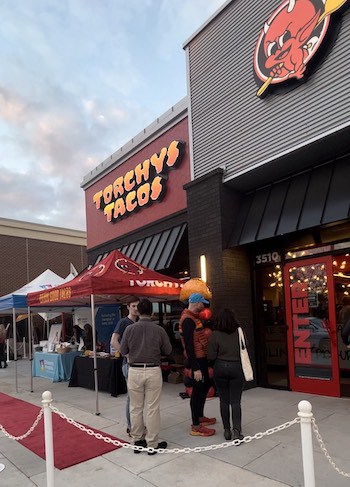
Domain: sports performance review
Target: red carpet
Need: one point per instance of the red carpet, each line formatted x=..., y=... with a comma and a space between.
x=71, y=446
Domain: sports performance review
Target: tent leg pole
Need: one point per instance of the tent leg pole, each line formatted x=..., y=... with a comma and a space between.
x=30, y=348
x=94, y=350
x=15, y=345
x=63, y=328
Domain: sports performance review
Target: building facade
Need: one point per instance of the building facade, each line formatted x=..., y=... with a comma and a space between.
x=135, y=200
x=28, y=249
x=269, y=116
x=267, y=121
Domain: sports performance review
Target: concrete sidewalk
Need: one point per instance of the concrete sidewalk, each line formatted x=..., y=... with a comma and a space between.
x=273, y=461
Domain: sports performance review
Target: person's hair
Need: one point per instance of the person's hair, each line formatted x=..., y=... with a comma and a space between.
x=131, y=299
x=226, y=321
x=78, y=330
x=346, y=300
x=145, y=307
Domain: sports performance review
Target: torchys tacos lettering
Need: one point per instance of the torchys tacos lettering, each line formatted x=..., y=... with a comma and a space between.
x=141, y=186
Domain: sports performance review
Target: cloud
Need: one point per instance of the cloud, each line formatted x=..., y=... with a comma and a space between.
x=79, y=80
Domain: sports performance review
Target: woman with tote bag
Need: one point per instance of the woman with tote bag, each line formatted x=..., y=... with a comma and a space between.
x=228, y=349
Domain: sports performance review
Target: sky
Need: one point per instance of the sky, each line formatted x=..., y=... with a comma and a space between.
x=79, y=79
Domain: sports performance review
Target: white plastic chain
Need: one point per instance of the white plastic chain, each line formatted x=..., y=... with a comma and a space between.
x=196, y=449
x=324, y=449
x=31, y=429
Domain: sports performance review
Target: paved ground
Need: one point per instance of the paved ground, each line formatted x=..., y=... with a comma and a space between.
x=269, y=462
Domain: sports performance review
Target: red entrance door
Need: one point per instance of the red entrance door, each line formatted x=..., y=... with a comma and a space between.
x=311, y=327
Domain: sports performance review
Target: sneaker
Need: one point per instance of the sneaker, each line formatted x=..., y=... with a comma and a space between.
x=204, y=421
x=128, y=432
x=202, y=431
x=161, y=446
x=237, y=435
x=227, y=434
x=142, y=443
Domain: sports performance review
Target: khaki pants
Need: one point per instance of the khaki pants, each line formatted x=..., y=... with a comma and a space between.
x=145, y=387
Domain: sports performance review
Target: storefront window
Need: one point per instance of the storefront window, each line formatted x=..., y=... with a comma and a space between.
x=272, y=329
x=298, y=254
x=341, y=273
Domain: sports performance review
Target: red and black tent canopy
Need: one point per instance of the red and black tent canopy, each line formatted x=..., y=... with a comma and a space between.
x=111, y=280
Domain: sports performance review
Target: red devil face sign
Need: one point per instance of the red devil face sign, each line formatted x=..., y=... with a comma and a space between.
x=290, y=38
x=128, y=267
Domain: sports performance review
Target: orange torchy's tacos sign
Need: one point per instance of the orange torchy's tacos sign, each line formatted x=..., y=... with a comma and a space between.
x=141, y=186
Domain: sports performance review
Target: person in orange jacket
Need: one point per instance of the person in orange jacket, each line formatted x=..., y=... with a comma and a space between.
x=195, y=343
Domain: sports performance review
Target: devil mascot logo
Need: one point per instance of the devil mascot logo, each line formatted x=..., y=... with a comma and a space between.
x=290, y=38
x=128, y=267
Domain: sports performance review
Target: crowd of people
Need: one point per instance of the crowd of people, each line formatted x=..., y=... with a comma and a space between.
x=143, y=343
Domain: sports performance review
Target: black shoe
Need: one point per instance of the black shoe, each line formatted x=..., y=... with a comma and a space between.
x=161, y=446
x=142, y=443
x=128, y=432
x=237, y=435
x=227, y=434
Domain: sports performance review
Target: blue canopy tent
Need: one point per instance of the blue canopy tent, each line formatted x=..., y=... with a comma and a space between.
x=16, y=303
x=13, y=301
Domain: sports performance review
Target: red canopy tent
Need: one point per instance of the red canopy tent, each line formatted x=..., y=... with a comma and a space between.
x=112, y=279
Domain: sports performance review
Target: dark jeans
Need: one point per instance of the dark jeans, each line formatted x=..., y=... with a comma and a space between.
x=228, y=377
x=199, y=392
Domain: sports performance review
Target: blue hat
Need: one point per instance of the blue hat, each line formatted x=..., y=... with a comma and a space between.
x=197, y=298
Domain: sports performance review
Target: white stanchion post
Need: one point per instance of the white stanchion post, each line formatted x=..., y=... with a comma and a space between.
x=46, y=401
x=305, y=415
x=7, y=350
x=24, y=348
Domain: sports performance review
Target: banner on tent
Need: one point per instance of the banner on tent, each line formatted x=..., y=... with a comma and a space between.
x=106, y=319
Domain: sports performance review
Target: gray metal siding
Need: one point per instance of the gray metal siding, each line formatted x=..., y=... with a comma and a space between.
x=230, y=124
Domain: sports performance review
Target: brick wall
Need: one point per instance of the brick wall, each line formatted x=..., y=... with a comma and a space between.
x=22, y=260
x=211, y=210
x=13, y=272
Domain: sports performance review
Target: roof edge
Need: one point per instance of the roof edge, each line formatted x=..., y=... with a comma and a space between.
x=206, y=23
x=163, y=123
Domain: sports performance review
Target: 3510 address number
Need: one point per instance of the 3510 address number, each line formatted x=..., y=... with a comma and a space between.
x=266, y=258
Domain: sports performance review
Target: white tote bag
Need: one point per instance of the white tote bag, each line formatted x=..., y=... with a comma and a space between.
x=246, y=365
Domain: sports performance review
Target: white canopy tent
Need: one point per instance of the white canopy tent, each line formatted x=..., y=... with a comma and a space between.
x=16, y=303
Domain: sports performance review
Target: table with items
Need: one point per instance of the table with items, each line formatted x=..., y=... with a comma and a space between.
x=54, y=366
x=109, y=374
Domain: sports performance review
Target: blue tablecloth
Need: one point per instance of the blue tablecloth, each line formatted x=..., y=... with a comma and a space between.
x=54, y=366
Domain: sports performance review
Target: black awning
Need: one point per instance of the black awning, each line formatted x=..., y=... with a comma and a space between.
x=156, y=251
x=309, y=199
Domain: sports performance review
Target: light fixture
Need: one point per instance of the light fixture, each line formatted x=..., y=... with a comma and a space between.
x=203, y=264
